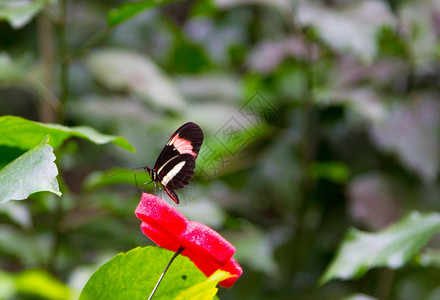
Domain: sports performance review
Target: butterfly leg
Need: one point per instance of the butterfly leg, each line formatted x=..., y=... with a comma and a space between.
x=143, y=186
x=137, y=186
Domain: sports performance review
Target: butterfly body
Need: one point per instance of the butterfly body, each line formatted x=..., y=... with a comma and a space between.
x=175, y=165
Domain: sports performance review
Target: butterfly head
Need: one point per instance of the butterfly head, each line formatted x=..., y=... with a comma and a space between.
x=151, y=172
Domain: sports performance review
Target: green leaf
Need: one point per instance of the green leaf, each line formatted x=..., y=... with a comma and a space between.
x=40, y=283
x=25, y=134
x=134, y=274
x=19, y=13
x=130, y=9
x=391, y=247
x=204, y=290
x=32, y=172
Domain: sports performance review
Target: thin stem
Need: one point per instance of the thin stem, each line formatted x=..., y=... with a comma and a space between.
x=92, y=41
x=48, y=100
x=181, y=248
x=62, y=53
x=385, y=283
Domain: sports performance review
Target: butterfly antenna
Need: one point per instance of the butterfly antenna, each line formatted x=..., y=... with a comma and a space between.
x=125, y=171
x=138, y=168
x=118, y=173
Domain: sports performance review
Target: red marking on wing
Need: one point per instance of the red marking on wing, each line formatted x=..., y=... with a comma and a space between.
x=183, y=146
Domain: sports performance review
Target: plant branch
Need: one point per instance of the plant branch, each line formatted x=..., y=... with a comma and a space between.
x=92, y=41
x=181, y=248
x=62, y=53
x=48, y=101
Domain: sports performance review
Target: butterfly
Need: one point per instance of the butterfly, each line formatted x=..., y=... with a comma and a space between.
x=176, y=163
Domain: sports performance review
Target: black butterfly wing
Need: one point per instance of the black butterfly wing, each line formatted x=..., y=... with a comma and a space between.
x=172, y=194
x=187, y=139
x=176, y=173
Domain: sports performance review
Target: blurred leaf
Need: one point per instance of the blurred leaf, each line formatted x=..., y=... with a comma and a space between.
x=98, y=179
x=42, y=284
x=110, y=111
x=411, y=131
x=364, y=101
x=391, y=247
x=134, y=274
x=332, y=171
x=210, y=86
x=204, y=290
x=17, y=212
x=29, y=249
x=128, y=70
x=358, y=297
x=32, y=172
x=256, y=248
x=183, y=50
x=283, y=5
x=13, y=70
x=129, y=9
x=351, y=28
x=420, y=32
x=430, y=258
x=25, y=134
x=212, y=116
x=373, y=201
x=208, y=43
x=230, y=139
x=392, y=43
x=7, y=285
x=202, y=209
x=269, y=55
x=19, y=13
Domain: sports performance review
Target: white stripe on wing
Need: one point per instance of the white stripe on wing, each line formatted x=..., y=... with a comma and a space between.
x=172, y=173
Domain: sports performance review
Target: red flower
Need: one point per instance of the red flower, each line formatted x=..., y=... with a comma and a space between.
x=170, y=229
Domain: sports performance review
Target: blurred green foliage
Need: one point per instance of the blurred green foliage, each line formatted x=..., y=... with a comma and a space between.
x=318, y=116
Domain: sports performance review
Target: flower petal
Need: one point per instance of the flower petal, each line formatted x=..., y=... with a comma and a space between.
x=161, y=216
x=207, y=267
x=159, y=238
x=235, y=269
x=205, y=241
